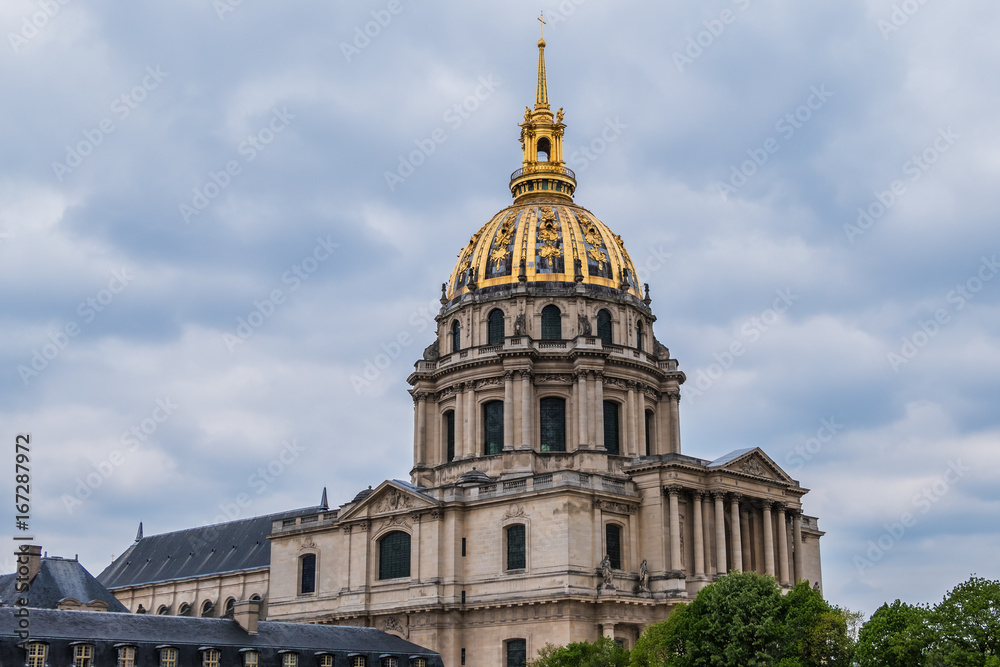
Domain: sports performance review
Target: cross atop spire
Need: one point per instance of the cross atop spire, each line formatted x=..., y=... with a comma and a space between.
x=541, y=19
x=542, y=89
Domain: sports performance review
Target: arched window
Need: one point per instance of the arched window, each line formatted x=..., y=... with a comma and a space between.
x=492, y=427
x=394, y=556
x=449, y=436
x=611, y=427
x=37, y=654
x=206, y=608
x=544, y=149
x=456, y=336
x=551, y=323
x=517, y=652
x=230, y=607
x=496, y=327
x=613, y=545
x=164, y=610
x=552, y=417
x=649, y=432
x=307, y=574
x=640, y=333
x=604, y=326
x=516, y=559
x=184, y=609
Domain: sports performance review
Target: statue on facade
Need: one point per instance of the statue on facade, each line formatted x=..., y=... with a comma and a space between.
x=584, y=325
x=520, y=327
x=643, y=577
x=606, y=572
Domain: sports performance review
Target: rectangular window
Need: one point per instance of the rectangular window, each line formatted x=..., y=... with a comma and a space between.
x=517, y=652
x=37, y=652
x=168, y=657
x=463, y=547
x=419, y=662
x=251, y=659
x=611, y=427
x=516, y=547
x=326, y=661
x=613, y=544
x=552, y=417
x=308, y=571
x=358, y=661
x=390, y=662
x=126, y=656
x=649, y=433
x=493, y=427
x=83, y=655
x=449, y=427
x=210, y=658
x=290, y=660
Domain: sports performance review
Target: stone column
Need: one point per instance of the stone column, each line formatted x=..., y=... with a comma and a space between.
x=768, y=539
x=720, y=532
x=782, y=545
x=472, y=423
x=747, y=537
x=675, y=528
x=629, y=448
x=459, y=420
x=706, y=514
x=420, y=430
x=508, y=411
x=797, y=546
x=599, y=409
x=734, y=529
x=581, y=408
x=640, y=437
x=675, y=421
x=699, y=532
x=527, y=397
x=608, y=630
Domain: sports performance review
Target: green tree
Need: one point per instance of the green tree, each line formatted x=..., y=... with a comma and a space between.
x=966, y=625
x=816, y=633
x=897, y=635
x=602, y=653
x=660, y=642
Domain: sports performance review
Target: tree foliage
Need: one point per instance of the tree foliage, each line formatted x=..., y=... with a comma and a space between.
x=602, y=653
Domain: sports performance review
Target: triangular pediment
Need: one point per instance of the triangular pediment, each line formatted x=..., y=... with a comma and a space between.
x=753, y=462
x=391, y=497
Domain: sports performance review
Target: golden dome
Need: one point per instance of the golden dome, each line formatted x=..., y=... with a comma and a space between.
x=543, y=241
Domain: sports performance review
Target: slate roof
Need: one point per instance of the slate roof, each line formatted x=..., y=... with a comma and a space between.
x=147, y=631
x=196, y=552
x=58, y=579
x=731, y=456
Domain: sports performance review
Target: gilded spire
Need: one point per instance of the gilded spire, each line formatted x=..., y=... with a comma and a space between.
x=542, y=91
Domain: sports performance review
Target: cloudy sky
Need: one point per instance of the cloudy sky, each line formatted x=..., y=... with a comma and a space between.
x=216, y=215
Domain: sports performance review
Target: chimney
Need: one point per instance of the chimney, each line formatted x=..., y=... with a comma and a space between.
x=247, y=613
x=30, y=557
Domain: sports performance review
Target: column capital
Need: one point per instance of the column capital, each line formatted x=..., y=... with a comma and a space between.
x=736, y=496
x=673, y=489
x=581, y=374
x=526, y=374
x=718, y=495
x=420, y=396
x=674, y=395
x=508, y=375
x=780, y=506
x=767, y=504
x=697, y=494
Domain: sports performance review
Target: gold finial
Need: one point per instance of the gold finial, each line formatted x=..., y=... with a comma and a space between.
x=541, y=27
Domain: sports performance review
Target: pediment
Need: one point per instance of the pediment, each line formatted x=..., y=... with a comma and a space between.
x=388, y=499
x=755, y=463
